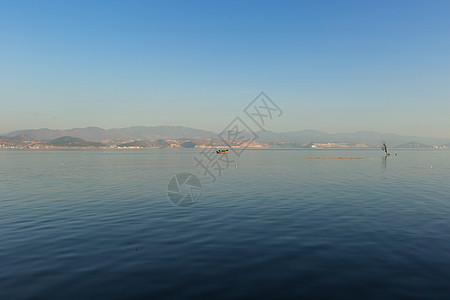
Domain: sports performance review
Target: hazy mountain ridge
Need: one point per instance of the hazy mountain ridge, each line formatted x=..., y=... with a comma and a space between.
x=16, y=141
x=370, y=138
x=295, y=139
x=98, y=134
x=414, y=145
x=17, y=138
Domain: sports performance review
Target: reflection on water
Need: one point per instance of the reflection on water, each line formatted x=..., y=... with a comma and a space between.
x=99, y=225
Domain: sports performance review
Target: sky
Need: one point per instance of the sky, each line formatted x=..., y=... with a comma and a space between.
x=334, y=66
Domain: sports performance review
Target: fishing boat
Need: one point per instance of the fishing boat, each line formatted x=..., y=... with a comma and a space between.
x=222, y=151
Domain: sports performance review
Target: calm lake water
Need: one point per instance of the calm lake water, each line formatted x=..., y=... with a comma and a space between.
x=99, y=225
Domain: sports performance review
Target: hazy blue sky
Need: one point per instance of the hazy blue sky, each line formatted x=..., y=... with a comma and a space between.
x=330, y=65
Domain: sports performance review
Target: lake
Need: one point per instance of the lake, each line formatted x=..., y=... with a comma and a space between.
x=98, y=224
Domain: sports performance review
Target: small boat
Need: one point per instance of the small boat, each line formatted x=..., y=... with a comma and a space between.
x=222, y=151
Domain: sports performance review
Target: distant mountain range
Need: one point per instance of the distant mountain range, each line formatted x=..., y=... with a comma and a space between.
x=143, y=136
x=98, y=134
x=24, y=141
x=370, y=138
x=16, y=141
x=414, y=145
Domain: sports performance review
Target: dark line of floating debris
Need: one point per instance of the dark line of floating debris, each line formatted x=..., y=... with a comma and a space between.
x=331, y=157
